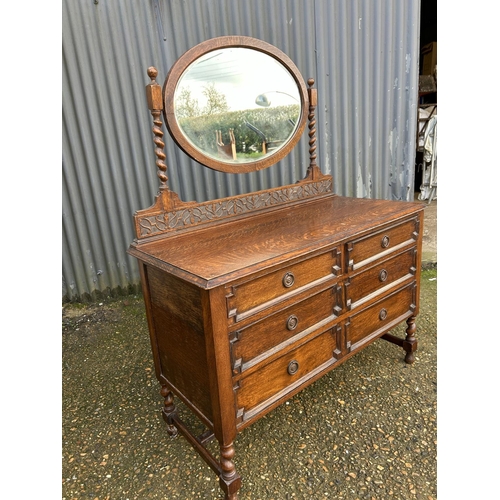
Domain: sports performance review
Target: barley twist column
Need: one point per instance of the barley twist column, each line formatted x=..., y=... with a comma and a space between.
x=169, y=410
x=155, y=104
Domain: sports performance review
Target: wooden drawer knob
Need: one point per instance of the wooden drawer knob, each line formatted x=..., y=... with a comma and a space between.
x=383, y=314
x=288, y=280
x=382, y=276
x=292, y=322
x=293, y=367
x=385, y=241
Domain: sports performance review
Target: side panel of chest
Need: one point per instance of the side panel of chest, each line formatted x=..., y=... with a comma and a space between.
x=180, y=338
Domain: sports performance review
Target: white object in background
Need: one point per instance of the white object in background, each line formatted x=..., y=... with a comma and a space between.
x=428, y=187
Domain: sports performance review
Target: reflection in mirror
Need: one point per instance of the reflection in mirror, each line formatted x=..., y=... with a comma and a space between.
x=237, y=105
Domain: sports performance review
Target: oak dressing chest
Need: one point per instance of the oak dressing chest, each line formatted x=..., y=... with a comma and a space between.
x=251, y=298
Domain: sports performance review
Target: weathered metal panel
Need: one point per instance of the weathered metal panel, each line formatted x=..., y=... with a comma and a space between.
x=362, y=54
x=368, y=90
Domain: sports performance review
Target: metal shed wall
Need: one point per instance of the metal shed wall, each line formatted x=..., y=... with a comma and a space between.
x=362, y=54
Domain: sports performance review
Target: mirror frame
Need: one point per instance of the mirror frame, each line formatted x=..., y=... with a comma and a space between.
x=201, y=49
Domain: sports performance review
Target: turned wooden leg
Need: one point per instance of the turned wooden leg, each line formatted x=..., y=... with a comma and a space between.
x=230, y=480
x=410, y=342
x=169, y=411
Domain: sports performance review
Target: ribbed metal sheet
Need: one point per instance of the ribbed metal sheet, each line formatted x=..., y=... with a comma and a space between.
x=363, y=55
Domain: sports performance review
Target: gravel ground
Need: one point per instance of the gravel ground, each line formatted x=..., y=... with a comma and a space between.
x=367, y=430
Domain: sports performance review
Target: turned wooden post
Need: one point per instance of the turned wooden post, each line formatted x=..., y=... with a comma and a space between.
x=312, y=171
x=410, y=342
x=229, y=480
x=155, y=105
x=169, y=410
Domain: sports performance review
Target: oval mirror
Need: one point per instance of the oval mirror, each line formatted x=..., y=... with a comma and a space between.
x=235, y=104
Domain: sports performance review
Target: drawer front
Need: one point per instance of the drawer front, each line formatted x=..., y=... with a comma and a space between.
x=381, y=316
x=364, y=250
x=258, y=341
x=248, y=297
x=378, y=279
x=276, y=379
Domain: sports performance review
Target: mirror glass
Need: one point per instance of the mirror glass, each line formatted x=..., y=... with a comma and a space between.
x=237, y=105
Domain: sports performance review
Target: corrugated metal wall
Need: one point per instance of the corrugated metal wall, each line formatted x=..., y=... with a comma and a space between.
x=363, y=55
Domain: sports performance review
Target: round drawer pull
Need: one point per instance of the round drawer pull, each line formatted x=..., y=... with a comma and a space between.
x=383, y=314
x=293, y=367
x=288, y=280
x=382, y=276
x=292, y=322
x=385, y=241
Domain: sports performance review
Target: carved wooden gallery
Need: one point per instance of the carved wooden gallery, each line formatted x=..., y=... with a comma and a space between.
x=253, y=297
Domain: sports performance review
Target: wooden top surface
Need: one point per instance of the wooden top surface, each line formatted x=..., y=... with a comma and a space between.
x=212, y=256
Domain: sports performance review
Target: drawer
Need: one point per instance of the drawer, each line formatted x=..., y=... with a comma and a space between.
x=381, y=316
x=252, y=344
x=364, y=250
x=379, y=278
x=278, y=378
x=248, y=297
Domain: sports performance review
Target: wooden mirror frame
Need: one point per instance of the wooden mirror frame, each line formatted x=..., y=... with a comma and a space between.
x=198, y=51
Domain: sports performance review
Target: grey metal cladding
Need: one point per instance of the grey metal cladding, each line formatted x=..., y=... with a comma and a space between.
x=362, y=54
